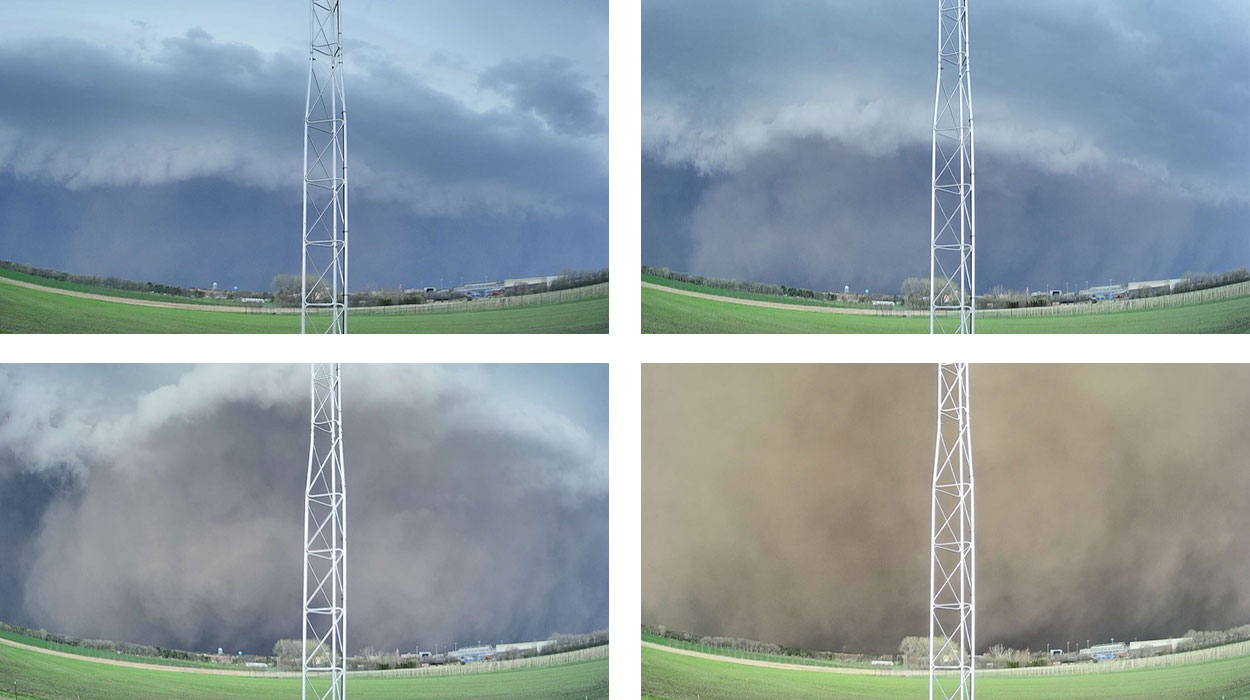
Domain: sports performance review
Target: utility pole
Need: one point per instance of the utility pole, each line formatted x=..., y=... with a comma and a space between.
x=323, y=309
x=952, y=309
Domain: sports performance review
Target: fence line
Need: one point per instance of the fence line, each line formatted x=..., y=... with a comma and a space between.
x=434, y=307
x=528, y=662
x=1163, y=660
x=762, y=656
x=1199, y=296
x=1160, y=661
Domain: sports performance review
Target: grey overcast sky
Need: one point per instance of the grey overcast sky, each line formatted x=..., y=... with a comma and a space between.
x=162, y=141
x=162, y=504
x=789, y=141
x=790, y=503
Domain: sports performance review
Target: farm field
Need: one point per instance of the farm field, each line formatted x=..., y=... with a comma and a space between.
x=668, y=312
x=40, y=676
x=671, y=676
x=24, y=310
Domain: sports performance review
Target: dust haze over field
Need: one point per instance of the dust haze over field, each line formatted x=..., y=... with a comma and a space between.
x=163, y=505
x=791, y=503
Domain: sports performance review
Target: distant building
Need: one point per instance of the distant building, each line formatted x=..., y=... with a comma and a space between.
x=526, y=281
x=1156, y=645
x=479, y=289
x=1106, y=652
x=470, y=654
x=1105, y=292
x=1157, y=284
x=524, y=646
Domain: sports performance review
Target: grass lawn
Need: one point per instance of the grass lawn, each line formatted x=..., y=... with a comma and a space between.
x=33, y=311
x=669, y=676
x=109, y=291
x=44, y=677
x=666, y=312
x=100, y=653
x=739, y=294
x=756, y=656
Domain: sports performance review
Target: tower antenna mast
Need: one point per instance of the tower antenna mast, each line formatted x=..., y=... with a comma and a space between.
x=952, y=309
x=323, y=309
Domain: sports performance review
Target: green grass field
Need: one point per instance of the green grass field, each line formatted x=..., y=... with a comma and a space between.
x=41, y=676
x=100, y=653
x=669, y=676
x=665, y=312
x=739, y=294
x=755, y=656
x=25, y=310
x=110, y=291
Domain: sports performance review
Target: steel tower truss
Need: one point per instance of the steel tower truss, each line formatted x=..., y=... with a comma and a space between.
x=324, y=274
x=323, y=309
x=952, y=309
x=952, y=218
x=952, y=564
x=324, y=669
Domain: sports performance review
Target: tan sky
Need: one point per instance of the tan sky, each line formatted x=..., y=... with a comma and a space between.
x=790, y=503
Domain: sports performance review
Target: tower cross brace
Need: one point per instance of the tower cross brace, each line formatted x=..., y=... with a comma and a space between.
x=323, y=309
x=952, y=309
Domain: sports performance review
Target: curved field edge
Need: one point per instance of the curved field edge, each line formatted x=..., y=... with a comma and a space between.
x=667, y=312
x=9, y=638
x=24, y=310
x=111, y=291
x=749, y=655
x=667, y=675
x=40, y=676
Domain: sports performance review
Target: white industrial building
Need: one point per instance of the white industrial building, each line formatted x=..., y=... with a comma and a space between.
x=524, y=646
x=526, y=281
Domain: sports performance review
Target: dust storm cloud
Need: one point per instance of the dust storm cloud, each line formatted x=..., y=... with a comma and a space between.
x=168, y=509
x=791, y=503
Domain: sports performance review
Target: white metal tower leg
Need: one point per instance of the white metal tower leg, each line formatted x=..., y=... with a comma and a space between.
x=323, y=309
x=324, y=668
x=952, y=217
x=952, y=563
x=323, y=301
x=952, y=309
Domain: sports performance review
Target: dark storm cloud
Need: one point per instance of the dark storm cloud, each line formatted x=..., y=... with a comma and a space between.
x=480, y=506
x=796, y=217
x=549, y=89
x=87, y=122
x=1142, y=103
x=791, y=503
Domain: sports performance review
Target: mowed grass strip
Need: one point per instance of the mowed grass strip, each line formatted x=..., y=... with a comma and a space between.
x=42, y=676
x=100, y=653
x=670, y=676
x=757, y=296
x=666, y=312
x=754, y=656
x=25, y=310
x=111, y=291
